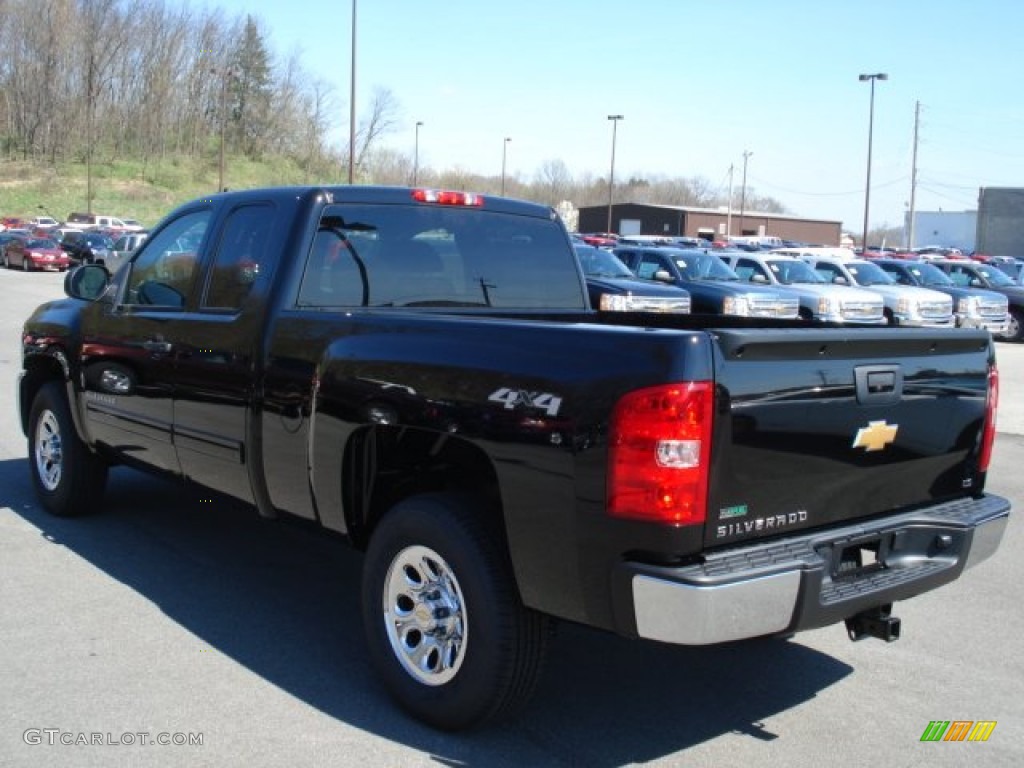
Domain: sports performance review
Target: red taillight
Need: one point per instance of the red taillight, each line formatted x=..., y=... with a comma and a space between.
x=659, y=450
x=988, y=435
x=444, y=197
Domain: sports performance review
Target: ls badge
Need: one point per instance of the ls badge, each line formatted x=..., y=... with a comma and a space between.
x=875, y=436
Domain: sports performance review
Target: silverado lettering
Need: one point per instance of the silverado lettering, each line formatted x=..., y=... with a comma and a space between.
x=422, y=373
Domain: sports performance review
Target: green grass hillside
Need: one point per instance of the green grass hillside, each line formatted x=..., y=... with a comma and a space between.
x=131, y=189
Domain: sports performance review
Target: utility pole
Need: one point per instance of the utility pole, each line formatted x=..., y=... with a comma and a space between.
x=416, y=155
x=226, y=75
x=728, y=215
x=504, y=153
x=743, y=192
x=913, y=178
x=352, y=104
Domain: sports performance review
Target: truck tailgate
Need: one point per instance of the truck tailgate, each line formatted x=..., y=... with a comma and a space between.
x=814, y=429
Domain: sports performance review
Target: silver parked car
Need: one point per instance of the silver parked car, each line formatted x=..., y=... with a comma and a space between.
x=819, y=300
x=124, y=247
x=904, y=304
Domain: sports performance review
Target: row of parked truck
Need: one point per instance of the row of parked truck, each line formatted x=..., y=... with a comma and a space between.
x=823, y=287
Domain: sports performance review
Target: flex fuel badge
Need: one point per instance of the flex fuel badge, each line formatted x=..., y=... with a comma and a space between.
x=740, y=510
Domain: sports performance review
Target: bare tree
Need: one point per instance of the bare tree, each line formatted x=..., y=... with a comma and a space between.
x=381, y=119
x=553, y=182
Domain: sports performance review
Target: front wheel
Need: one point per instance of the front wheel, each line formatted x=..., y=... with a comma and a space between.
x=446, y=630
x=1014, y=326
x=69, y=479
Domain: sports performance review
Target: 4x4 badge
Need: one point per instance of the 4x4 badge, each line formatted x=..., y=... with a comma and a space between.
x=875, y=436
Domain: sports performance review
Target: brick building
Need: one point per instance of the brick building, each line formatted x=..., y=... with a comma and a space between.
x=710, y=223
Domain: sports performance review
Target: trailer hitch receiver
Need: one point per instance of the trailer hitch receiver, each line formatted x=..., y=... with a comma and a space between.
x=875, y=622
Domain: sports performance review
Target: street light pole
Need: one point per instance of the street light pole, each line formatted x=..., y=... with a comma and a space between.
x=504, y=153
x=743, y=190
x=871, y=127
x=611, y=174
x=352, y=104
x=227, y=74
x=416, y=155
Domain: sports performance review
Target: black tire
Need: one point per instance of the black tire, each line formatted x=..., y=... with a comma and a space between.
x=7, y=264
x=1015, y=326
x=69, y=479
x=25, y=267
x=446, y=630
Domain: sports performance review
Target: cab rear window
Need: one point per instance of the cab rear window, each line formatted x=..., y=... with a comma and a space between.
x=400, y=256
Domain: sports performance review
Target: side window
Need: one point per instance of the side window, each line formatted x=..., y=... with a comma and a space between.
x=746, y=269
x=242, y=257
x=647, y=267
x=900, y=276
x=959, y=277
x=828, y=271
x=335, y=274
x=163, y=273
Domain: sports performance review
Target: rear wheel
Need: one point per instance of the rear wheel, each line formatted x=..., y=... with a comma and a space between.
x=69, y=479
x=446, y=630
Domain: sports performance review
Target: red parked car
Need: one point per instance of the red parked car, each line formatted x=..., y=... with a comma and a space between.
x=30, y=252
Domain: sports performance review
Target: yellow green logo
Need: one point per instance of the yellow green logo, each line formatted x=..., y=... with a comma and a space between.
x=958, y=730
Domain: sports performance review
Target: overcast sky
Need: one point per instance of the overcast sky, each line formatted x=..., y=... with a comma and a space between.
x=698, y=82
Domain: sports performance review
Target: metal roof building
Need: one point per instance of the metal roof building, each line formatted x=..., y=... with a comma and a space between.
x=711, y=223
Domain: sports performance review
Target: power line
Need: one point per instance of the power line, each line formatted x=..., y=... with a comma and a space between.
x=860, y=191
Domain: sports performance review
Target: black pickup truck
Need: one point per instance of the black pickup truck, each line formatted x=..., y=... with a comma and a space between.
x=421, y=372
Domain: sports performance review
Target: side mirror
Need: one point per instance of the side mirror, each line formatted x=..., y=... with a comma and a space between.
x=87, y=282
x=664, y=276
x=757, y=277
x=840, y=280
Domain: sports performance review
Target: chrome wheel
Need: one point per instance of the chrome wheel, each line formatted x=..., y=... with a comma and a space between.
x=424, y=615
x=49, y=456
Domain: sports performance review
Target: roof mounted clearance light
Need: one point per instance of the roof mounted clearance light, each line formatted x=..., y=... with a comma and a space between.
x=444, y=197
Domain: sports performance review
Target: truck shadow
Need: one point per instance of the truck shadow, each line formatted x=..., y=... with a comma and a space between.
x=282, y=599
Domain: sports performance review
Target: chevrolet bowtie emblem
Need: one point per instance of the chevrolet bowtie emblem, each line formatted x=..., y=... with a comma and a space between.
x=875, y=436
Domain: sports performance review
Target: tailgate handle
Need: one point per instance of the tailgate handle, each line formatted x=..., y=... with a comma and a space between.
x=878, y=384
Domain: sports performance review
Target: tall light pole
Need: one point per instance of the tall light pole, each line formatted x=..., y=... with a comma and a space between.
x=871, y=127
x=416, y=155
x=743, y=189
x=611, y=174
x=227, y=75
x=352, y=104
x=504, y=154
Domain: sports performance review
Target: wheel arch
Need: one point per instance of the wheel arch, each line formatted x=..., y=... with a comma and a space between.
x=38, y=370
x=382, y=465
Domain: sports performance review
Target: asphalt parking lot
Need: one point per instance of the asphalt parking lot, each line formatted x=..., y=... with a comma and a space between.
x=179, y=618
